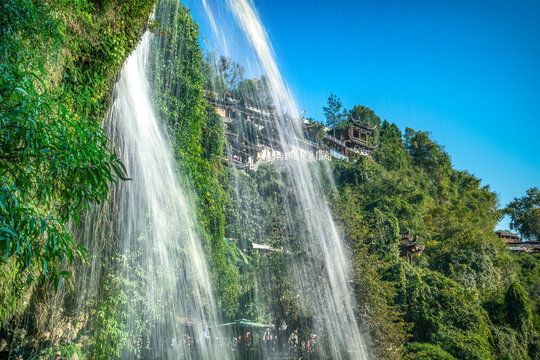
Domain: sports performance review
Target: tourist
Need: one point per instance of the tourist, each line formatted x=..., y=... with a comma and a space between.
x=58, y=355
x=293, y=342
x=269, y=343
x=20, y=357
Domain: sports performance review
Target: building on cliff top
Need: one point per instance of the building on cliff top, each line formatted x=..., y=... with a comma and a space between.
x=515, y=243
x=253, y=138
x=508, y=237
x=350, y=141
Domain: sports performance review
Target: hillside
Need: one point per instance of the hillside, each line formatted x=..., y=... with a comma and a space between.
x=274, y=238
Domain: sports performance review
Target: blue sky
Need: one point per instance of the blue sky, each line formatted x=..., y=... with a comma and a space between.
x=467, y=71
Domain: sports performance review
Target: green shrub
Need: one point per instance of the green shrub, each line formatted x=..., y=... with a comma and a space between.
x=426, y=351
x=508, y=345
x=66, y=351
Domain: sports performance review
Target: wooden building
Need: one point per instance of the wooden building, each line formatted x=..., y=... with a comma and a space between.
x=409, y=247
x=252, y=136
x=508, y=237
x=351, y=141
x=515, y=243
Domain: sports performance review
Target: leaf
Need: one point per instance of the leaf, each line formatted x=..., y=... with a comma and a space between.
x=21, y=91
x=43, y=226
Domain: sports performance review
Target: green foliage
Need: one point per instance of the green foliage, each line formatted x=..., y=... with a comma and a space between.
x=13, y=289
x=528, y=273
x=245, y=210
x=335, y=113
x=465, y=297
x=508, y=344
x=365, y=115
x=426, y=351
x=256, y=91
x=316, y=130
x=410, y=185
x=525, y=214
x=110, y=317
x=375, y=297
x=58, y=62
x=112, y=327
x=198, y=137
x=67, y=351
x=24, y=24
x=518, y=311
x=427, y=155
x=445, y=313
x=390, y=152
x=222, y=74
x=54, y=155
x=52, y=163
x=247, y=134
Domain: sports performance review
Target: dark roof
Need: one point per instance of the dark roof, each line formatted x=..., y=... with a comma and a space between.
x=506, y=233
x=363, y=126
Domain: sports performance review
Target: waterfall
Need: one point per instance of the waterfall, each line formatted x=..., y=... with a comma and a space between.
x=320, y=268
x=171, y=313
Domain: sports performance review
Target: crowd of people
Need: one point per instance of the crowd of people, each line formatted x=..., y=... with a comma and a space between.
x=275, y=341
x=242, y=342
x=272, y=341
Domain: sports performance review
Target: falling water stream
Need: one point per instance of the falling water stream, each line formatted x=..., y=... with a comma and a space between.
x=156, y=230
x=152, y=219
x=321, y=273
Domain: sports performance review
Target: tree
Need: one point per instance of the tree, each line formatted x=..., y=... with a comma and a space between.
x=231, y=71
x=519, y=311
x=365, y=115
x=256, y=91
x=221, y=74
x=334, y=113
x=525, y=214
x=316, y=129
x=390, y=152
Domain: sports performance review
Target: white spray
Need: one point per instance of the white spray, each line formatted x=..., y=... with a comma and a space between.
x=326, y=291
x=156, y=227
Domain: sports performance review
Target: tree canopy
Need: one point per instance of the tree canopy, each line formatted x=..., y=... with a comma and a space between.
x=524, y=213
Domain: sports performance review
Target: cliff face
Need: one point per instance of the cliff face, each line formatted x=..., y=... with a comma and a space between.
x=74, y=51
x=59, y=62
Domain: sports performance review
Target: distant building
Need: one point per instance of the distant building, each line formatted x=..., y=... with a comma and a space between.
x=351, y=141
x=252, y=134
x=508, y=237
x=515, y=243
x=409, y=247
x=525, y=246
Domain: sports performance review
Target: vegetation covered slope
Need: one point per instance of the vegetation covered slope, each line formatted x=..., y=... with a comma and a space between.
x=459, y=299
x=58, y=61
x=466, y=293
x=465, y=297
